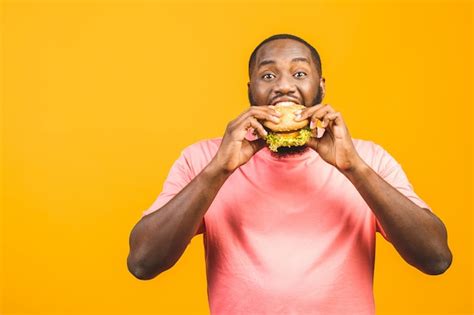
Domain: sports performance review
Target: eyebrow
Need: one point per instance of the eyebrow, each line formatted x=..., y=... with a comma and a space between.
x=268, y=61
x=300, y=59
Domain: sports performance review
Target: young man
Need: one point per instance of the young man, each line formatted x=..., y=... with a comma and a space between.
x=290, y=232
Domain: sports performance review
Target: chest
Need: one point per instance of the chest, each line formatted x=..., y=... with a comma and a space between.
x=288, y=199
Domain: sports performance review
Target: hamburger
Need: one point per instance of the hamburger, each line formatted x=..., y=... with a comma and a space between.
x=288, y=132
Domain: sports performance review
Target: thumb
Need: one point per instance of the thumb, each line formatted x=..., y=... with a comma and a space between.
x=257, y=144
x=316, y=135
x=313, y=143
x=249, y=148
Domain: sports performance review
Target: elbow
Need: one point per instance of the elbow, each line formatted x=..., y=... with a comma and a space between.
x=439, y=265
x=145, y=262
x=137, y=269
x=141, y=271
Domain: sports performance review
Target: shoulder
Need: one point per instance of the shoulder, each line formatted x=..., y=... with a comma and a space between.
x=367, y=147
x=374, y=155
x=197, y=155
x=203, y=148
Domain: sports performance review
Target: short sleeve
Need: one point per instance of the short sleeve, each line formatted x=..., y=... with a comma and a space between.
x=180, y=174
x=391, y=171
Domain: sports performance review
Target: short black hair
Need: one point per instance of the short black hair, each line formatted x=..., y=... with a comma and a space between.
x=314, y=52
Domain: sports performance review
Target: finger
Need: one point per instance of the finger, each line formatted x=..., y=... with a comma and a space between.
x=242, y=118
x=321, y=115
x=244, y=126
x=260, y=112
x=321, y=112
x=258, y=127
x=317, y=124
x=320, y=132
x=324, y=121
x=331, y=118
x=303, y=114
x=270, y=110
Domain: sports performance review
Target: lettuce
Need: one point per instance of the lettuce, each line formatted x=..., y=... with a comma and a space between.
x=275, y=141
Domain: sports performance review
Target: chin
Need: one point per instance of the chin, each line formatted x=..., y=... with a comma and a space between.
x=290, y=151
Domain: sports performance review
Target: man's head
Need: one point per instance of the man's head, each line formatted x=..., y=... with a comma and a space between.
x=284, y=67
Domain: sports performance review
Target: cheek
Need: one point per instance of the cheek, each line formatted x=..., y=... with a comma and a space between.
x=261, y=91
x=309, y=90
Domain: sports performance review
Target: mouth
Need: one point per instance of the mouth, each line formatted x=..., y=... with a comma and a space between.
x=285, y=101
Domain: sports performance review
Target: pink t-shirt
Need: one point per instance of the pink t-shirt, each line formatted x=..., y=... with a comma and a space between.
x=288, y=236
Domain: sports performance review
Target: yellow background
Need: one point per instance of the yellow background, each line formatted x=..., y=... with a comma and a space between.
x=99, y=97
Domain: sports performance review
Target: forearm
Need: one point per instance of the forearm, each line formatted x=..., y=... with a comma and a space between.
x=160, y=238
x=417, y=234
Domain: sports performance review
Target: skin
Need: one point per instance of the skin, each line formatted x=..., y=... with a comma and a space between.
x=281, y=73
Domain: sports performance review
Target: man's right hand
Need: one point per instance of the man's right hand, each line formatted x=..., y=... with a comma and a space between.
x=158, y=240
x=235, y=150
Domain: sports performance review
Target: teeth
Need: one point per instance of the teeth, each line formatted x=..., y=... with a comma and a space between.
x=287, y=103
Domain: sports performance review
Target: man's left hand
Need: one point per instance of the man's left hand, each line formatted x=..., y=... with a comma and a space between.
x=335, y=146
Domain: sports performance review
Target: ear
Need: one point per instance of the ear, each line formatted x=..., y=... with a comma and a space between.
x=322, y=84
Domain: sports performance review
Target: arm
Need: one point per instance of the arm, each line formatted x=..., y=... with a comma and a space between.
x=416, y=233
x=159, y=239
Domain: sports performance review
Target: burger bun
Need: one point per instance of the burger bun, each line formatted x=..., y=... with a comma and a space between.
x=287, y=122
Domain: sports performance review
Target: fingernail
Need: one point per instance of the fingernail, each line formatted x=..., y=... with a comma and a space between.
x=275, y=119
x=311, y=125
x=298, y=112
x=297, y=116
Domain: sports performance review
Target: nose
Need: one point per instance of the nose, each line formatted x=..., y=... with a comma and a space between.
x=284, y=85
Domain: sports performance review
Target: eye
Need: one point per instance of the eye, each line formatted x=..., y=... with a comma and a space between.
x=268, y=76
x=300, y=74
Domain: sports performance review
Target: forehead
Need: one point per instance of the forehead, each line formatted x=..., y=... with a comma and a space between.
x=282, y=50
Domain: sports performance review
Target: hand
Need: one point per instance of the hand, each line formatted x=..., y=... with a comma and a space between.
x=235, y=150
x=335, y=146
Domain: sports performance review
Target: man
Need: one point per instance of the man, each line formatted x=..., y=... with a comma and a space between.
x=289, y=233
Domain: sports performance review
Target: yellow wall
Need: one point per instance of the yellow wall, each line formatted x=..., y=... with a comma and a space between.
x=101, y=96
